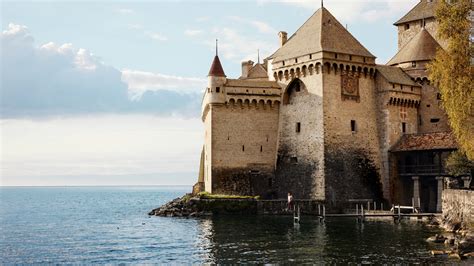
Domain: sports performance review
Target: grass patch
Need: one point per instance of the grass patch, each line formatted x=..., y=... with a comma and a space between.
x=207, y=195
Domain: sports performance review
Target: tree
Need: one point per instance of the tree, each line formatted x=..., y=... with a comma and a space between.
x=457, y=164
x=452, y=70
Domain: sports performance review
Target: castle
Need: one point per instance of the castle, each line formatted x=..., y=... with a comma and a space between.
x=321, y=119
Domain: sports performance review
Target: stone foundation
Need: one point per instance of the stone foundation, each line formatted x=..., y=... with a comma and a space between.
x=458, y=209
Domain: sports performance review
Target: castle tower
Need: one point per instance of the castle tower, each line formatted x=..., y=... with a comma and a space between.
x=421, y=16
x=328, y=113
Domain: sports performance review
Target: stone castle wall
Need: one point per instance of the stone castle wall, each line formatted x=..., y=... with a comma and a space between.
x=244, y=141
x=300, y=167
x=431, y=111
x=405, y=35
x=390, y=119
x=352, y=158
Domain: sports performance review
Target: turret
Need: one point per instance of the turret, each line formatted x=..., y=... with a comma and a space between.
x=216, y=81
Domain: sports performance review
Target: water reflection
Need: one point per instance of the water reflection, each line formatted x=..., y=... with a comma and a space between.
x=269, y=239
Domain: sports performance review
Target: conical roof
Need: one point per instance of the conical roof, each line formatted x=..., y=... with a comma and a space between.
x=424, y=9
x=321, y=32
x=216, y=68
x=422, y=47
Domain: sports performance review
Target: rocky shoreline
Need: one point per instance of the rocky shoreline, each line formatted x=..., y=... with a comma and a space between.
x=459, y=241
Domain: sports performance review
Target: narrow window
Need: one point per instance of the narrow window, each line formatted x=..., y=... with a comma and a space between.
x=335, y=55
x=411, y=88
x=228, y=137
x=296, y=60
x=401, y=87
x=261, y=148
x=218, y=89
x=428, y=105
x=283, y=62
x=413, y=64
x=438, y=96
x=350, y=57
x=407, y=26
x=353, y=126
x=364, y=59
x=310, y=56
x=243, y=148
x=298, y=127
x=404, y=127
x=267, y=138
x=208, y=89
x=393, y=85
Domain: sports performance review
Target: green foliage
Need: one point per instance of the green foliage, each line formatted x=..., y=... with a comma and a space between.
x=457, y=164
x=207, y=195
x=452, y=70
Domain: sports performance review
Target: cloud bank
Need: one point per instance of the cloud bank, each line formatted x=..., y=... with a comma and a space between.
x=55, y=79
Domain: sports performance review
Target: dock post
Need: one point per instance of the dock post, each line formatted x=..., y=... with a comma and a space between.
x=381, y=206
x=413, y=204
x=368, y=205
x=375, y=206
x=324, y=213
x=399, y=213
x=362, y=213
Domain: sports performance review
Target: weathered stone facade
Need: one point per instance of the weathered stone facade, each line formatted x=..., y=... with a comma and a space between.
x=318, y=118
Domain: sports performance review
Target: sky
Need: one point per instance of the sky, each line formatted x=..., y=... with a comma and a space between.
x=109, y=92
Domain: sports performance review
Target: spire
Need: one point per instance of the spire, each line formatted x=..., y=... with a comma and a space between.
x=258, y=56
x=322, y=3
x=216, y=67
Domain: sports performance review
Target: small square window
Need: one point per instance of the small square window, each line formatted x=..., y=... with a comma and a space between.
x=298, y=127
x=407, y=26
x=413, y=64
x=438, y=96
x=218, y=89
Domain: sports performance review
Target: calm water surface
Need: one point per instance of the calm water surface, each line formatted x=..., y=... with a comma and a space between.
x=111, y=225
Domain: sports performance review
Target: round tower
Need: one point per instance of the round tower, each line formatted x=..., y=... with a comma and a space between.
x=216, y=80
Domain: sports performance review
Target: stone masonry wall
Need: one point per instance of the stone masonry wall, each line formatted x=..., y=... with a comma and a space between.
x=404, y=36
x=390, y=119
x=244, y=141
x=458, y=208
x=431, y=109
x=300, y=165
x=352, y=158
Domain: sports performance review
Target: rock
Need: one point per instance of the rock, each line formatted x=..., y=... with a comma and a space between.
x=449, y=241
x=436, y=239
x=469, y=255
x=439, y=253
x=454, y=255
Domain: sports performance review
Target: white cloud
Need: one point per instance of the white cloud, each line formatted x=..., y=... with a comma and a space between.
x=354, y=10
x=135, y=26
x=156, y=36
x=60, y=79
x=203, y=18
x=141, y=81
x=237, y=46
x=125, y=11
x=261, y=26
x=190, y=32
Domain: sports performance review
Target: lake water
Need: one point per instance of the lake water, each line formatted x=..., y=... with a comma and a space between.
x=110, y=225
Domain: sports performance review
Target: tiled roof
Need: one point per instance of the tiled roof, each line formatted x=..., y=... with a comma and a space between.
x=424, y=9
x=321, y=32
x=257, y=71
x=216, y=68
x=421, y=47
x=395, y=75
x=427, y=141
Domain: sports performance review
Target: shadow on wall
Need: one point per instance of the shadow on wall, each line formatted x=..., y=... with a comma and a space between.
x=351, y=174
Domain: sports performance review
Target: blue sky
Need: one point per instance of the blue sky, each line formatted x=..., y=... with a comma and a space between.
x=108, y=92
